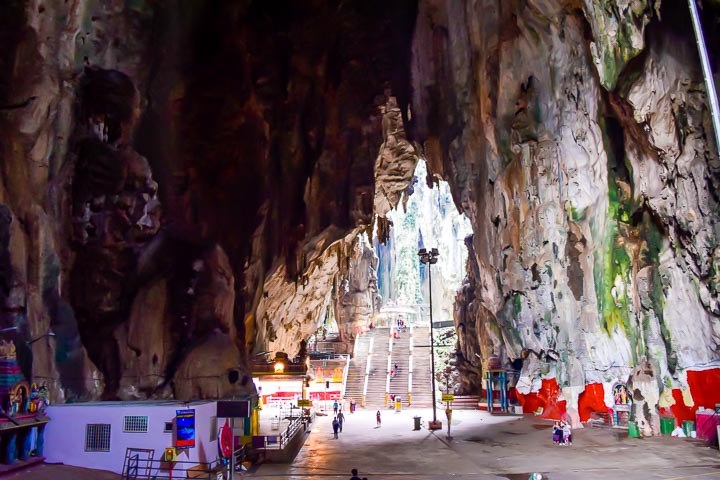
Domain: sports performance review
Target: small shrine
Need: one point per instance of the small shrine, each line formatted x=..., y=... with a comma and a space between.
x=496, y=380
x=622, y=404
x=22, y=413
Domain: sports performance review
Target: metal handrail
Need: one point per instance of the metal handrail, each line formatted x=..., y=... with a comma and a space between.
x=329, y=356
x=345, y=376
x=163, y=469
x=285, y=436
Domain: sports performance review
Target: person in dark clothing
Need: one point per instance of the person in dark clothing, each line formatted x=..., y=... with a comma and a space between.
x=354, y=474
x=336, y=426
x=341, y=419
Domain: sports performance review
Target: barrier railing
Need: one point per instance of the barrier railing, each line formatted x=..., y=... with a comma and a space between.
x=137, y=468
x=279, y=442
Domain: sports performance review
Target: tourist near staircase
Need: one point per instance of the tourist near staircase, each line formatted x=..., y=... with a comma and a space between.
x=400, y=356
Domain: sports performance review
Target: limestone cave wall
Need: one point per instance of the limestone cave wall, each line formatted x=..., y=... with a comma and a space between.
x=184, y=182
x=577, y=139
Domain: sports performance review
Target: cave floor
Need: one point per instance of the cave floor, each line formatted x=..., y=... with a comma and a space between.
x=483, y=447
x=487, y=447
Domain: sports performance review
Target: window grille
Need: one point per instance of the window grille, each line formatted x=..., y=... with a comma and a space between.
x=97, y=437
x=135, y=424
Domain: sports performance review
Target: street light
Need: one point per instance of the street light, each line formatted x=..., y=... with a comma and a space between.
x=430, y=258
x=279, y=367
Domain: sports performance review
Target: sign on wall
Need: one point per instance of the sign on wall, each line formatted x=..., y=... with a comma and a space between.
x=233, y=408
x=185, y=421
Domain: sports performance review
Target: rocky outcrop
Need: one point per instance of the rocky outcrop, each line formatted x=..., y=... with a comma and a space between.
x=174, y=174
x=181, y=179
x=583, y=157
x=358, y=299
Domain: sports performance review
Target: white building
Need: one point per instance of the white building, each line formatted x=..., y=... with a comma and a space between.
x=97, y=434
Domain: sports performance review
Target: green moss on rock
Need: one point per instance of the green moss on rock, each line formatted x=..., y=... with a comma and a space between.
x=614, y=28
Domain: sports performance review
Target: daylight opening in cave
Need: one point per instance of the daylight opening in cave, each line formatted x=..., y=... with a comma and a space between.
x=426, y=217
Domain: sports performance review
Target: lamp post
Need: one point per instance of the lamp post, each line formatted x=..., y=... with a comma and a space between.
x=430, y=258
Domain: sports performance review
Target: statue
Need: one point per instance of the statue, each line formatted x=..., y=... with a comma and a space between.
x=34, y=399
x=43, y=399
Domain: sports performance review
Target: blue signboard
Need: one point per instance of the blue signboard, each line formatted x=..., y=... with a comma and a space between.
x=185, y=421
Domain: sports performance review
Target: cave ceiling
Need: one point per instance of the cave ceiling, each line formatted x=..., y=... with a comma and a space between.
x=186, y=184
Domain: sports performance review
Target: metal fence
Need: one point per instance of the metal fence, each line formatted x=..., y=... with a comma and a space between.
x=279, y=442
x=140, y=466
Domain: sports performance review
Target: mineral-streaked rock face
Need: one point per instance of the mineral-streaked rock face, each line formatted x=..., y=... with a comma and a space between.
x=210, y=189
x=585, y=161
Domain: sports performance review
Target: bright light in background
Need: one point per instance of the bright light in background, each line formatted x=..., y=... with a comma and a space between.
x=429, y=219
x=279, y=367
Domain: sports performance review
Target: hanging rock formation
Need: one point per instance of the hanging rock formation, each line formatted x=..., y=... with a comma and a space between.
x=184, y=184
x=180, y=178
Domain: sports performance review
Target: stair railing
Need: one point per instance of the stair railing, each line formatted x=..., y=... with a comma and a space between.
x=387, y=368
x=367, y=371
x=345, y=375
x=410, y=366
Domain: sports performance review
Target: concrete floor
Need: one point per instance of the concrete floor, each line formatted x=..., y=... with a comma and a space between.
x=483, y=447
x=487, y=447
x=60, y=472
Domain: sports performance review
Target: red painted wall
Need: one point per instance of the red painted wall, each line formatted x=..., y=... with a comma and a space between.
x=592, y=399
x=705, y=390
x=547, y=398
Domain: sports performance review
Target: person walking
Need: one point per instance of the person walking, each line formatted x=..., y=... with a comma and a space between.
x=354, y=474
x=557, y=433
x=341, y=419
x=352, y=405
x=377, y=417
x=336, y=426
x=567, y=434
x=335, y=407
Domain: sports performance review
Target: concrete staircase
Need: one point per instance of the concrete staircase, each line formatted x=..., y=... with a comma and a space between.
x=400, y=356
x=421, y=376
x=356, y=372
x=468, y=402
x=377, y=380
x=375, y=397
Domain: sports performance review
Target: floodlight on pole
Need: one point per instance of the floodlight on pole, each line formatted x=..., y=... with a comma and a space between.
x=430, y=258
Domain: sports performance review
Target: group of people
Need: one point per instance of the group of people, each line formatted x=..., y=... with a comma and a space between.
x=337, y=423
x=562, y=434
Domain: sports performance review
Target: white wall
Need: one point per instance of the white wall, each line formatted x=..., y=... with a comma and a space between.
x=65, y=433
